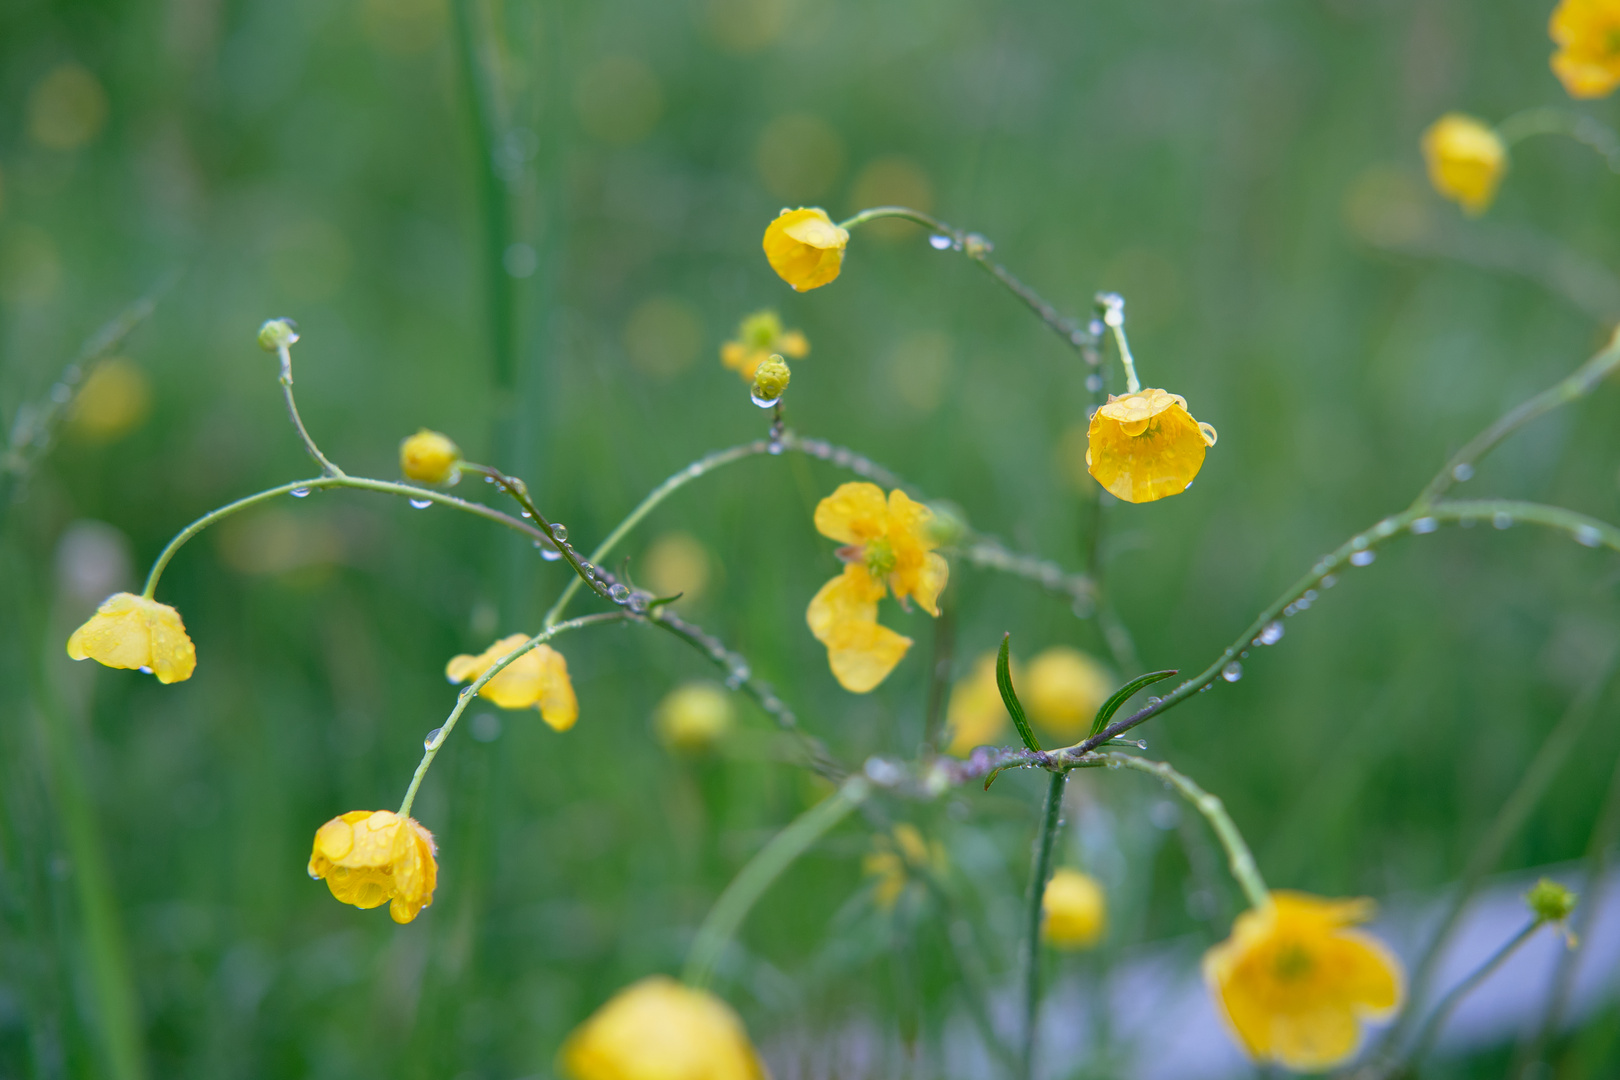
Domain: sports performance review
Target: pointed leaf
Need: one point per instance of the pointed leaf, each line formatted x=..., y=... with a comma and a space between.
x=1124, y=694
x=1009, y=697
x=993, y=774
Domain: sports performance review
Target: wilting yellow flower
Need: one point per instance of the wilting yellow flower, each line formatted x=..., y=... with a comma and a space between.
x=895, y=857
x=976, y=714
x=805, y=248
x=1144, y=446
x=370, y=858
x=1075, y=910
x=1294, y=981
x=888, y=545
x=1466, y=159
x=1063, y=690
x=129, y=631
x=658, y=1029
x=1587, y=33
x=428, y=457
x=538, y=679
x=694, y=717
x=758, y=336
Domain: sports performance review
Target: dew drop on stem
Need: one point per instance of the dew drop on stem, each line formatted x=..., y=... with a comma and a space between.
x=1462, y=472
x=1502, y=520
x=1232, y=672
x=619, y=593
x=939, y=242
x=432, y=737
x=1362, y=558
x=421, y=504
x=1424, y=525
x=559, y=533
x=1271, y=634
x=1587, y=536
x=298, y=493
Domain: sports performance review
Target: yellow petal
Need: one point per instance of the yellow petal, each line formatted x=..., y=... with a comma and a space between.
x=853, y=514
x=1154, y=451
x=805, y=248
x=517, y=686
x=1588, y=35
x=929, y=582
x=861, y=654
x=129, y=631
x=658, y=1029
x=851, y=597
x=558, y=706
x=1075, y=910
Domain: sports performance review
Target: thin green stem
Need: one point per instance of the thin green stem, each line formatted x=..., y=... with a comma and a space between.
x=1238, y=856
x=1550, y=121
x=1111, y=309
x=587, y=572
x=1442, y=1012
x=1580, y=382
x=1051, y=818
x=327, y=468
x=750, y=884
x=465, y=696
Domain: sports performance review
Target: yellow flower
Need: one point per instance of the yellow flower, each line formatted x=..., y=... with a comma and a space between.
x=976, y=715
x=1064, y=689
x=538, y=678
x=1076, y=911
x=1293, y=980
x=758, y=336
x=805, y=248
x=373, y=858
x=658, y=1029
x=429, y=457
x=1587, y=33
x=129, y=631
x=1466, y=160
x=1146, y=445
x=889, y=546
x=894, y=857
x=693, y=717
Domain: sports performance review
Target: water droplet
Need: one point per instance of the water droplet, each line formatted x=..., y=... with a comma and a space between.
x=1424, y=525
x=1587, y=536
x=1501, y=519
x=1206, y=688
x=298, y=493
x=432, y=738
x=145, y=670
x=1384, y=528
x=421, y=504
x=639, y=602
x=1153, y=700
x=1310, y=596
x=1271, y=634
x=762, y=402
x=1363, y=558
x=489, y=479
x=1329, y=581
x=939, y=242
x=547, y=552
x=61, y=392
x=774, y=446
x=526, y=514
x=1358, y=542
x=559, y=533
x=842, y=457
x=1232, y=672
x=619, y=593
x=1462, y=472
x=861, y=467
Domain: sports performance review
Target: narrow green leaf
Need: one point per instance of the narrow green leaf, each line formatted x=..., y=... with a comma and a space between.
x=1123, y=694
x=993, y=774
x=1009, y=697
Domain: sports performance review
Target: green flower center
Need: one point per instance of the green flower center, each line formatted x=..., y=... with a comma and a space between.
x=879, y=558
x=1292, y=962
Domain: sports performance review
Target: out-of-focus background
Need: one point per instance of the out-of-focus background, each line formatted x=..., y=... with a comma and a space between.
x=1245, y=172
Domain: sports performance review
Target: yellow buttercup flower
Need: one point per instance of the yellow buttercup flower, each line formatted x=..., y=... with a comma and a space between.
x=1075, y=911
x=976, y=715
x=1294, y=980
x=893, y=859
x=889, y=545
x=1146, y=445
x=1063, y=690
x=537, y=679
x=658, y=1029
x=1587, y=33
x=1466, y=160
x=758, y=336
x=694, y=717
x=129, y=631
x=805, y=248
x=370, y=858
x=429, y=457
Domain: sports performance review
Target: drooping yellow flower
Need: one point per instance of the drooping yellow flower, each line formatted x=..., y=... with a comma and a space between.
x=658, y=1029
x=758, y=336
x=895, y=857
x=1146, y=445
x=129, y=631
x=428, y=457
x=1063, y=690
x=889, y=545
x=976, y=715
x=805, y=248
x=537, y=679
x=1294, y=980
x=370, y=858
x=1466, y=160
x=694, y=717
x=1075, y=910
x=1587, y=33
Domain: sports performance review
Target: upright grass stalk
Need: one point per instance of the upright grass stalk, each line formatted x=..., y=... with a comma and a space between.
x=1051, y=818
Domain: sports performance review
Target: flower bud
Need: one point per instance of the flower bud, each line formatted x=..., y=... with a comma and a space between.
x=770, y=379
x=1550, y=901
x=277, y=334
x=428, y=457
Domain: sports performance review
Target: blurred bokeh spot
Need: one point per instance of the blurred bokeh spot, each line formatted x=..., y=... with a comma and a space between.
x=1388, y=205
x=618, y=99
x=918, y=367
x=799, y=157
x=676, y=562
x=309, y=260
x=404, y=27
x=113, y=401
x=891, y=180
x=92, y=562
x=67, y=108
x=745, y=26
x=662, y=336
x=279, y=542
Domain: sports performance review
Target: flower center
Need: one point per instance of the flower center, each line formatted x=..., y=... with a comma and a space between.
x=1292, y=962
x=879, y=557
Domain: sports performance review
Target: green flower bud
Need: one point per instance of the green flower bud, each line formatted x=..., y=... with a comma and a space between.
x=770, y=379
x=277, y=334
x=1550, y=901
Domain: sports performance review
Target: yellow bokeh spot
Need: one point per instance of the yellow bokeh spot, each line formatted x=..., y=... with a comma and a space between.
x=1587, y=33
x=658, y=1029
x=129, y=631
x=662, y=336
x=746, y=26
x=1145, y=446
x=67, y=108
x=799, y=156
x=1063, y=689
x=695, y=716
x=112, y=402
x=892, y=180
x=370, y=858
x=618, y=100
x=1466, y=160
x=919, y=369
x=677, y=563
x=976, y=715
x=1074, y=911
x=537, y=679
x=429, y=457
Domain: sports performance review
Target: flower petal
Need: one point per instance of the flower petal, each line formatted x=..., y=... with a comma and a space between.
x=851, y=597
x=861, y=654
x=558, y=705
x=853, y=514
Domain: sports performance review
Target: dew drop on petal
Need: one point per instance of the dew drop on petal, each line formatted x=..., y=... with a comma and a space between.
x=1362, y=558
x=145, y=670
x=421, y=504
x=432, y=737
x=1424, y=525
x=764, y=402
x=1232, y=672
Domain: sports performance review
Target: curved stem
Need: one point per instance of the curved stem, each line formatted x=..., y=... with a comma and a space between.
x=1442, y=1012
x=467, y=693
x=327, y=468
x=1051, y=818
x=764, y=868
x=583, y=571
x=1549, y=121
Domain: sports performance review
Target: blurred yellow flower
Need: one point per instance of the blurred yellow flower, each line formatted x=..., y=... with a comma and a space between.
x=658, y=1029
x=1466, y=160
x=538, y=679
x=805, y=248
x=1587, y=33
x=112, y=402
x=889, y=545
x=373, y=858
x=976, y=714
x=758, y=336
x=694, y=717
x=1076, y=911
x=1063, y=690
x=895, y=857
x=1146, y=445
x=1294, y=981
x=129, y=631
x=429, y=457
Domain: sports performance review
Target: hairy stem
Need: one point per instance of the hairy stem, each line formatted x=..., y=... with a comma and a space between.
x=1051, y=818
